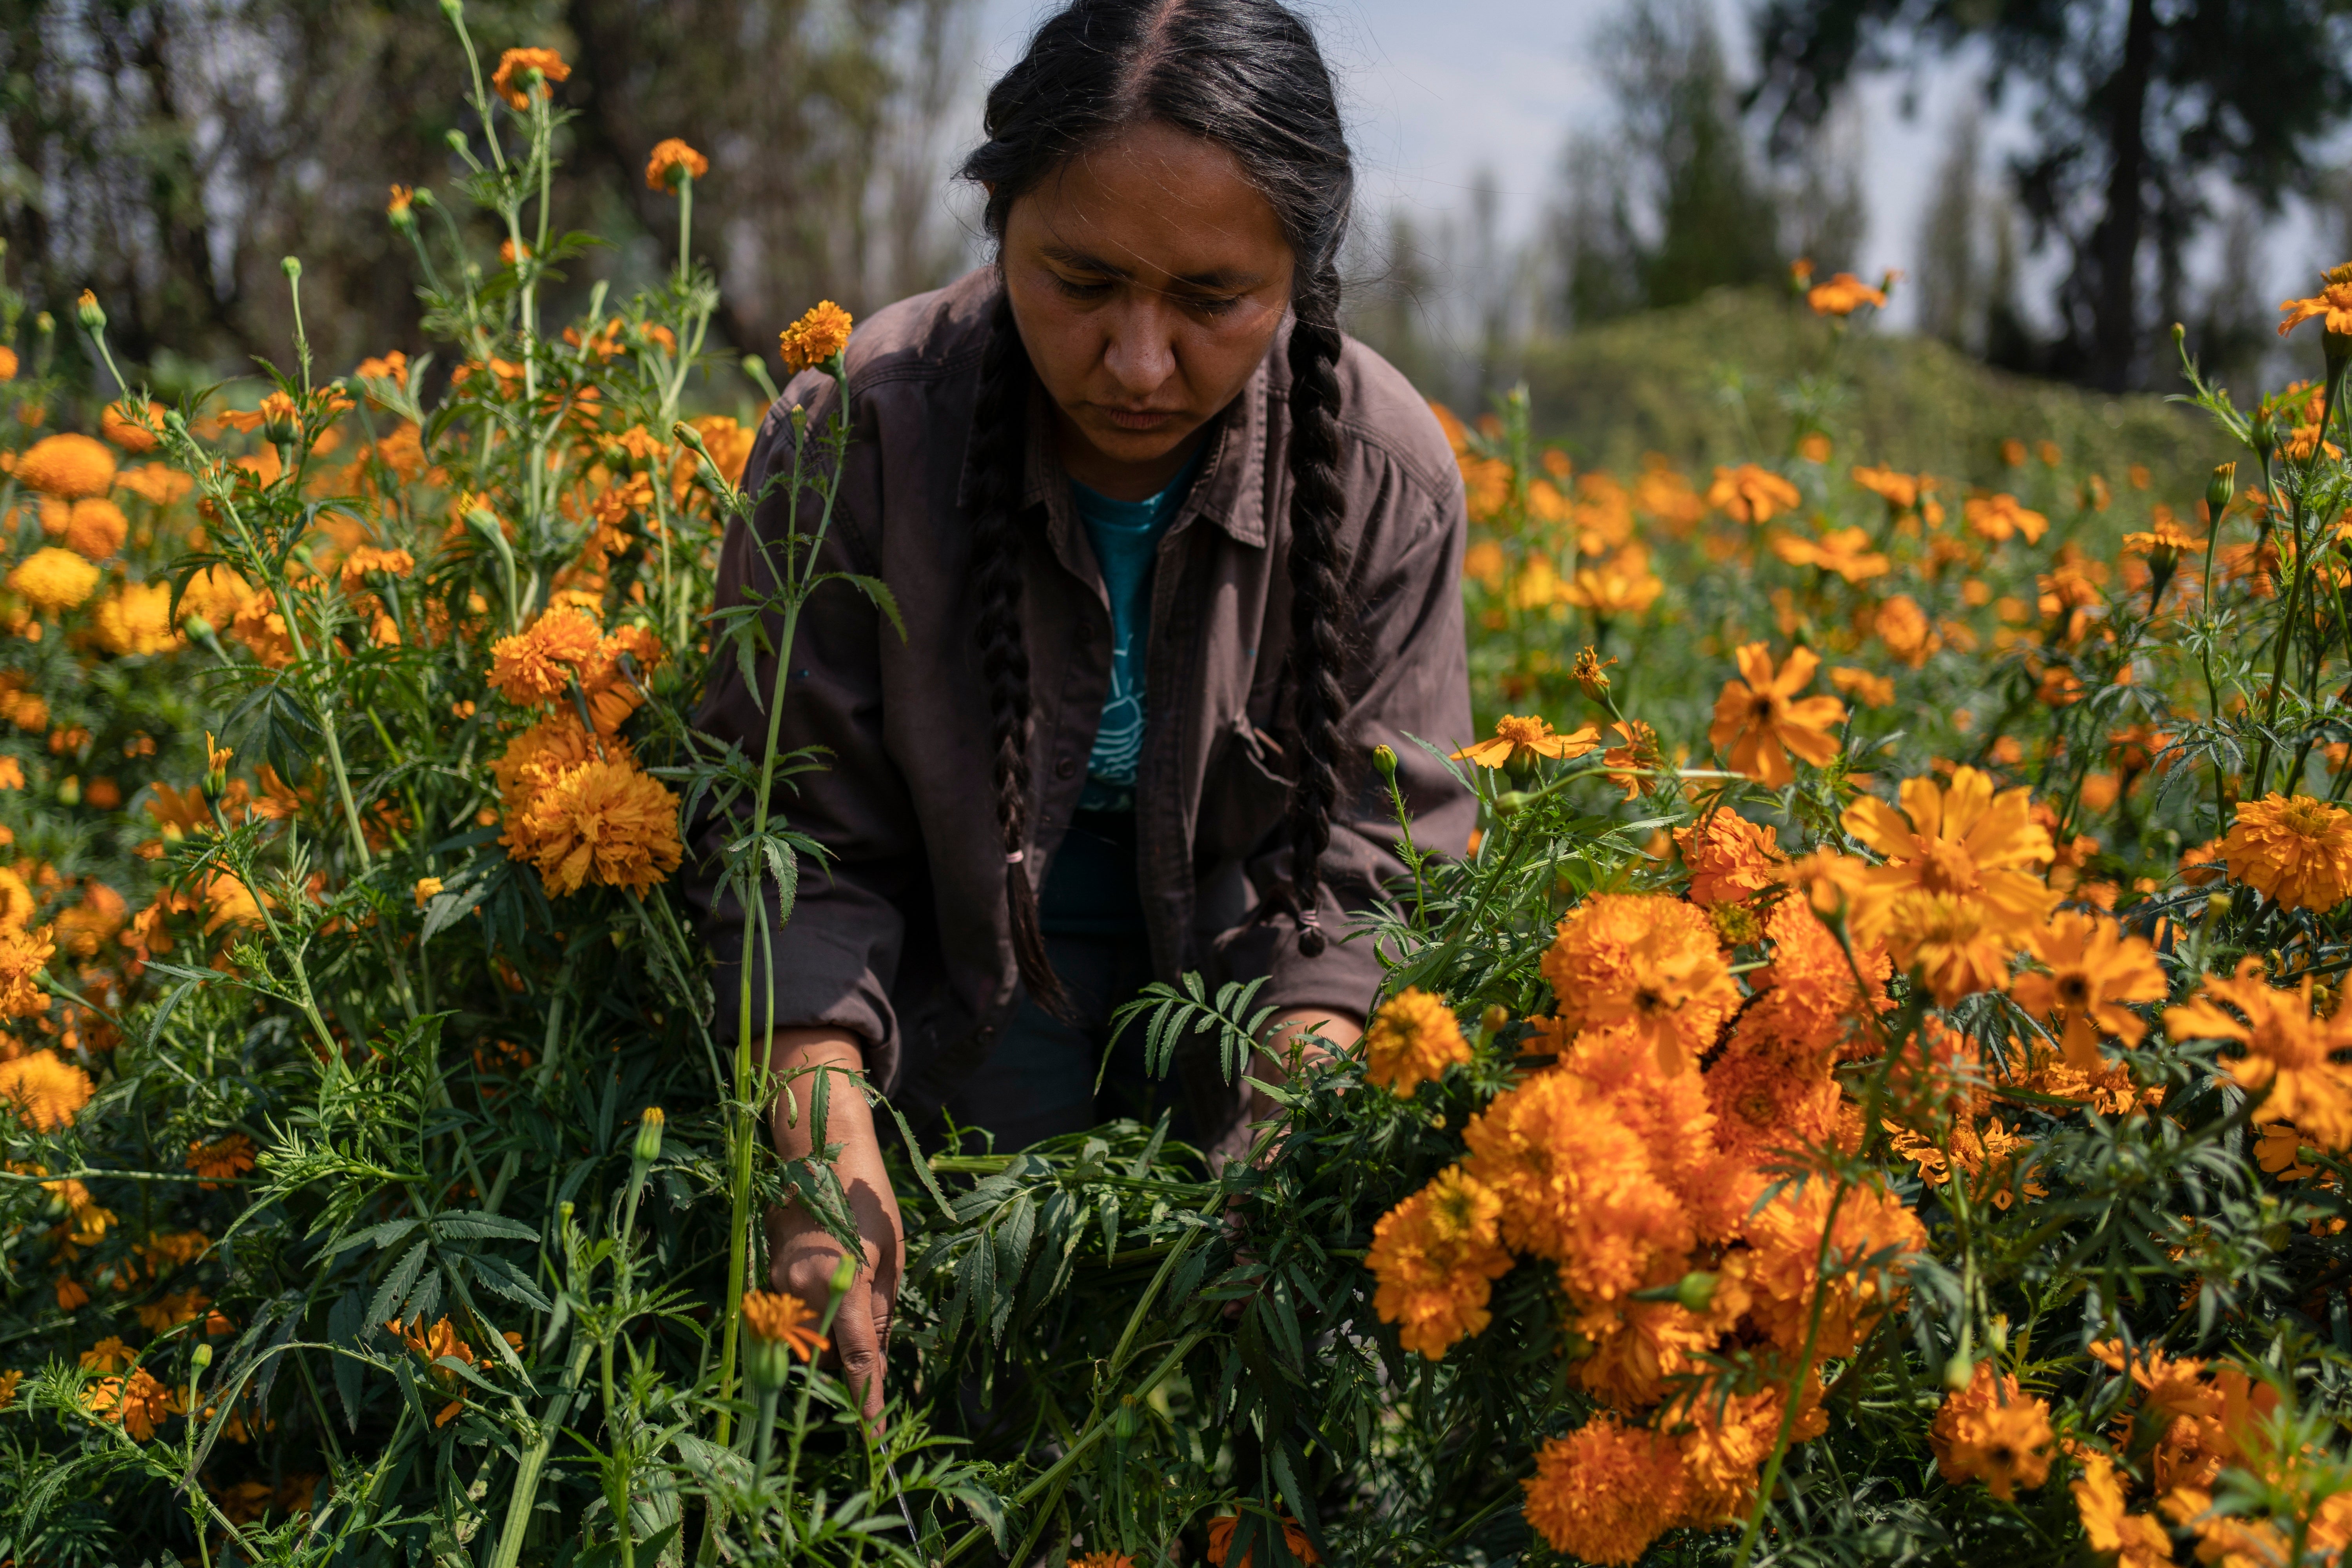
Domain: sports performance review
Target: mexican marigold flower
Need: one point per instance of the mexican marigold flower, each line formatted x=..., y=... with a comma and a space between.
x=1411, y=1040
x=1759, y=720
x=2287, y=1050
x=1899, y=490
x=672, y=160
x=2134, y=1540
x=1874, y=1236
x=1870, y=691
x=2296, y=849
x=2094, y=969
x=52, y=580
x=124, y=423
x=1519, y=741
x=1994, y=1432
x=1730, y=857
x=535, y=759
x=138, y=1405
x=822, y=333
x=782, y=1318
x=1637, y=755
x=9, y=1382
x=1605, y=1492
x=1751, y=494
x=46, y=1091
x=516, y=64
x=1964, y=841
x=222, y=1160
x=604, y=822
x=431, y=1346
x=1998, y=517
x=1434, y=1257
x=1844, y=551
x=1103, y=1560
x=1724, y=1447
x=95, y=527
x=2332, y=305
x=1906, y=630
x=1842, y=295
x=68, y=465
x=1622, y=585
x=538, y=663
x=1221, y=1541
x=136, y=619
x=1647, y=963
x=23, y=955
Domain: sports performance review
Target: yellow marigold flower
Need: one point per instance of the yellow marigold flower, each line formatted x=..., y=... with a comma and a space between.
x=222, y=1160
x=1605, y=1492
x=2287, y=1050
x=671, y=159
x=1994, y=1432
x=2296, y=849
x=1842, y=295
x=136, y=619
x=516, y=64
x=816, y=336
x=1751, y=494
x=2134, y=1540
x=427, y=888
x=1873, y=1228
x=1759, y=720
x=1435, y=1256
x=396, y=208
x=1411, y=1041
x=53, y=580
x=1964, y=842
x=9, y=1382
x=1220, y=1543
x=1730, y=858
x=23, y=955
x=2332, y=305
x=539, y=664
x=1622, y=585
x=95, y=527
x=1844, y=551
x=780, y=1318
x=1998, y=517
x=601, y=822
x=2094, y=969
x=1519, y=741
x=67, y=466
x=1647, y=963
x=1906, y=630
x=46, y=1091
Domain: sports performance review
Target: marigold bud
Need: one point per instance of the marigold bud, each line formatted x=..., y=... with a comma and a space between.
x=397, y=208
x=2263, y=434
x=800, y=421
x=92, y=315
x=203, y=1357
x=69, y=792
x=1385, y=759
x=563, y=1212
x=845, y=1274
x=1696, y=1291
x=2220, y=488
x=198, y=629
x=45, y=323
x=1959, y=1370
x=649, y=1136
x=1511, y=802
x=454, y=9
x=292, y=268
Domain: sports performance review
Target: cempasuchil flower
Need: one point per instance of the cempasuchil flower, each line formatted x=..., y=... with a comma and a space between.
x=1412, y=1039
x=1517, y=743
x=2287, y=1050
x=1760, y=721
x=1646, y=963
x=2094, y=971
x=822, y=333
x=1434, y=1257
x=2296, y=849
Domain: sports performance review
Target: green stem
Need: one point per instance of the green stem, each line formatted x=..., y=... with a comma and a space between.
x=534, y=1460
x=1772, y=1476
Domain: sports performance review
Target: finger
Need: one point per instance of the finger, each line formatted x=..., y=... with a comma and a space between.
x=859, y=1346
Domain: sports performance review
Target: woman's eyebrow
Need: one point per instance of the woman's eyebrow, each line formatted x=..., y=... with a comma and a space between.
x=1219, y=281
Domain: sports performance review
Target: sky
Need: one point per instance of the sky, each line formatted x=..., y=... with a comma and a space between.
x=1438, y=89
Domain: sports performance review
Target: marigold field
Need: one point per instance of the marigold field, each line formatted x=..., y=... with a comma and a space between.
x=1874, y=1089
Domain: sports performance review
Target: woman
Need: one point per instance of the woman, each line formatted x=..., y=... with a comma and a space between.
x=1173, y=557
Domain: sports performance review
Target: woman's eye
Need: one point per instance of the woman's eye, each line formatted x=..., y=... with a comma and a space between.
x=1213, y=305
x=1080, y=289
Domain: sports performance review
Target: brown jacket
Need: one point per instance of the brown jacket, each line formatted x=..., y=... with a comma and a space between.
x=903, y=938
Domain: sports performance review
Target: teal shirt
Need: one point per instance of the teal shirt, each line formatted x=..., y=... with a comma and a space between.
x=1126, y=535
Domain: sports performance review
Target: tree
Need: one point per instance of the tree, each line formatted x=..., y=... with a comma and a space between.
x=2135, y=108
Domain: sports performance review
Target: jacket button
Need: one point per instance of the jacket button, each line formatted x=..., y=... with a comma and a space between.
x=1064, y=767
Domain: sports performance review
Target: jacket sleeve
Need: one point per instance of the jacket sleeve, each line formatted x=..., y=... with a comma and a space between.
x=832, y=963
x=1409, y=676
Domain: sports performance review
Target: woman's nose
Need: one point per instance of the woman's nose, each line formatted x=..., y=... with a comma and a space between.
x=1140, y=352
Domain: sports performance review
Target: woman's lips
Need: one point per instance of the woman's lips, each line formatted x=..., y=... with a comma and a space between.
x=1137, y=418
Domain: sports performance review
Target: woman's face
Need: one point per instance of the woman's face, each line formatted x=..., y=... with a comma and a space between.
x=1148, y=277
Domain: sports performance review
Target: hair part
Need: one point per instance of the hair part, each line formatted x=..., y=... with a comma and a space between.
x=1248, y=76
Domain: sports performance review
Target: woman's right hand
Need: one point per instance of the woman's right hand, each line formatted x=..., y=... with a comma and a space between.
x=802, y=1255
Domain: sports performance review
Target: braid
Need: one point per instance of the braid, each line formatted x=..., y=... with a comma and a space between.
x=1000, y=429
x=1318, y=588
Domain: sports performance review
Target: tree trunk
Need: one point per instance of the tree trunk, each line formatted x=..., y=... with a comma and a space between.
x=2115, y=330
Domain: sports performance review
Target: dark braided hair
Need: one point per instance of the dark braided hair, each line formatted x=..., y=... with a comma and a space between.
x=1246, y=75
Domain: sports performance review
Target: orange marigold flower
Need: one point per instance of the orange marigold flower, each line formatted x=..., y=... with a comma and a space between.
x=7, y=363
x=1994, y=1432
x=1870, y=691
x=1411, y=1040
x=138, y=1405
x=2296, y=849
x=538, y=663
x=820, y=333
x=46, y=1091
x=67, y=466
x=52, y=580
x=538, y=756
x=1622, y=585
x=1997, y=517
x=1434, y=1257
x=136, y=619
x=431, y=1346
x=23, y=955
x=1751, y=494
x=1646, y=963
x=1517, y=743
x=2134, y=1540
x=1842, y=295
x=9, y=1382
x=1906, y=630
x=2094, y=969
x=1901, y=492
x=1605, y=1492
x=1724, y=1447
x=1638, y=755
x=1965, y=842
x=603, y=822
x=2332, y=305
x=1221, y=1541
x=222, y=1160
x=782, y=1318
x=1730, y=858
x=95, y=527
x=2288, y=1050
x=110, y=1354
x=1844, y=551
x=673, y=160
x=1759, y=720
x=517, y=64
x=124, y=423
x=1103, y=1560
x=1874, y=1236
